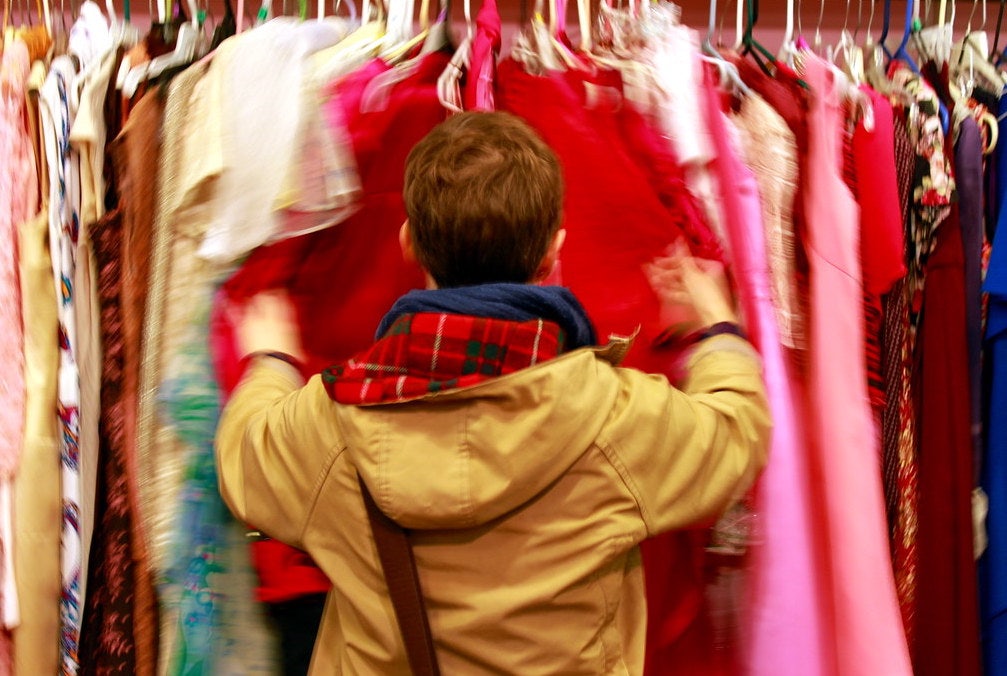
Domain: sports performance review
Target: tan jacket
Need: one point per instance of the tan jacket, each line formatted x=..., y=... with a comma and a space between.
x=529, y=495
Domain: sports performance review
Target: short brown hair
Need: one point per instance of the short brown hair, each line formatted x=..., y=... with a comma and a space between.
x=484, y=196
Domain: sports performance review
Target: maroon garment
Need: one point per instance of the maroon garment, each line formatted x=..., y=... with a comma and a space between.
x=625, y=203
x=947, y=631
x=481, y=77
x=106, y=636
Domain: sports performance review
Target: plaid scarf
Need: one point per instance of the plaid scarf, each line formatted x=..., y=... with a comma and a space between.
x=441, y=339
x=435, y=351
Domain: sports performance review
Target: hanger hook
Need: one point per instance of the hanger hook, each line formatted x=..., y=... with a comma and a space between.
x=818, y=28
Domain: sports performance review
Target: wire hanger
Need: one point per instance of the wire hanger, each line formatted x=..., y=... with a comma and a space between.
x=994, y=53
x=818, y=28
x=788, y=47
x=728, y=71
x=849, y=51
x=900, y=52
x=739, y=30
x=184, y=53
x=751, y=46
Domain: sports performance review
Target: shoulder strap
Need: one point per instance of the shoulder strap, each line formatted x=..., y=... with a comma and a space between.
x=403, y=586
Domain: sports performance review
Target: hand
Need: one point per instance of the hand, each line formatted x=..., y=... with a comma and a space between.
x=694, y=292
x=267, y=322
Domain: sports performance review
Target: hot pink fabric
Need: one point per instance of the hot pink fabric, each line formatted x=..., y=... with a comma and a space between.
x=478, y=92
x=866, y=621
x=785, y=603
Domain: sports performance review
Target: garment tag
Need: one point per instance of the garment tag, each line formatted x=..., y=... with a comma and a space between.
x=600, y=97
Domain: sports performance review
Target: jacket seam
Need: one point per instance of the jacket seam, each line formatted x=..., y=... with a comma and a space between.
x=466, y=451
x=611, y=453
x=316, y=491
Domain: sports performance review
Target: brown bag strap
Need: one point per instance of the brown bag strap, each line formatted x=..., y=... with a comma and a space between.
x=403, y=586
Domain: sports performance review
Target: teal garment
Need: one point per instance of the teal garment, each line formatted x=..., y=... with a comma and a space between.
x=191, y=401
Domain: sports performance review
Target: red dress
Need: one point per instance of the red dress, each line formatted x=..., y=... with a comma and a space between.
x=341, y=280
x=625, y=203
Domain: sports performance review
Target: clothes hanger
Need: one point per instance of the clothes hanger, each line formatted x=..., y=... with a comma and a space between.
x=183, y=54
x=994, y=52
x=886, y=18
x=400, y=26
x=751, y=46
x=351, y=7
x=227, y=27
x=858, y=71
x=997, y=56
x=739, y=29
x=817, y=44
x=449, y=91
x=900, y=53
x=788, y=47
x=975, y=44
x=852, y=63
x=557, y=33
x=728, y=71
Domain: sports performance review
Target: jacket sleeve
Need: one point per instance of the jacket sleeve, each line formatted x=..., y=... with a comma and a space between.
x=275, y=442
x=687, y=454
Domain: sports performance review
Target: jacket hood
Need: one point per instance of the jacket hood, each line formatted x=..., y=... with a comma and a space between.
x=460, y=458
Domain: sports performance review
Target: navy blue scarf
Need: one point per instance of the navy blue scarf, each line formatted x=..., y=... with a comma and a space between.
x=515, y=302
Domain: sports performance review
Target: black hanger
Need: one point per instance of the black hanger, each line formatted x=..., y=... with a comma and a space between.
x=995, y=55
x=227, y=27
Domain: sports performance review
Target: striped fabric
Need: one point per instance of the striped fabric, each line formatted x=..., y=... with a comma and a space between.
x=432, y=352
x=64, y=200
x=898, y=419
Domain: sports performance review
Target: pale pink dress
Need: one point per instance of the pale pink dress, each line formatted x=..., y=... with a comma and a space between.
x=868, y=633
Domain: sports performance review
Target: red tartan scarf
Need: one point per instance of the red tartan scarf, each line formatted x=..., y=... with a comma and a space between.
x=428, y=352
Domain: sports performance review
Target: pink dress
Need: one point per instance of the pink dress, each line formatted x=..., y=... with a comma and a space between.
x=845, y=456
x=785, y=600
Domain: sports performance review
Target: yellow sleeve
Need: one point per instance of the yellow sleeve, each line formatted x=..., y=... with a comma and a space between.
x=275, y=443
x=688, y=454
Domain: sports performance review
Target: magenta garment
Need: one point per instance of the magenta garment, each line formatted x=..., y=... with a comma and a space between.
x=478, y=91
x=784, y=620
x=868, y=633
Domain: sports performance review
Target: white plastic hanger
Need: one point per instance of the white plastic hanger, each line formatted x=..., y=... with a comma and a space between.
x=448, y=88
x=185, y=52
x=729, y=74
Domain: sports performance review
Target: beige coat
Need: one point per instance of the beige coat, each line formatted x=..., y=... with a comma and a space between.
x=529, y=495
